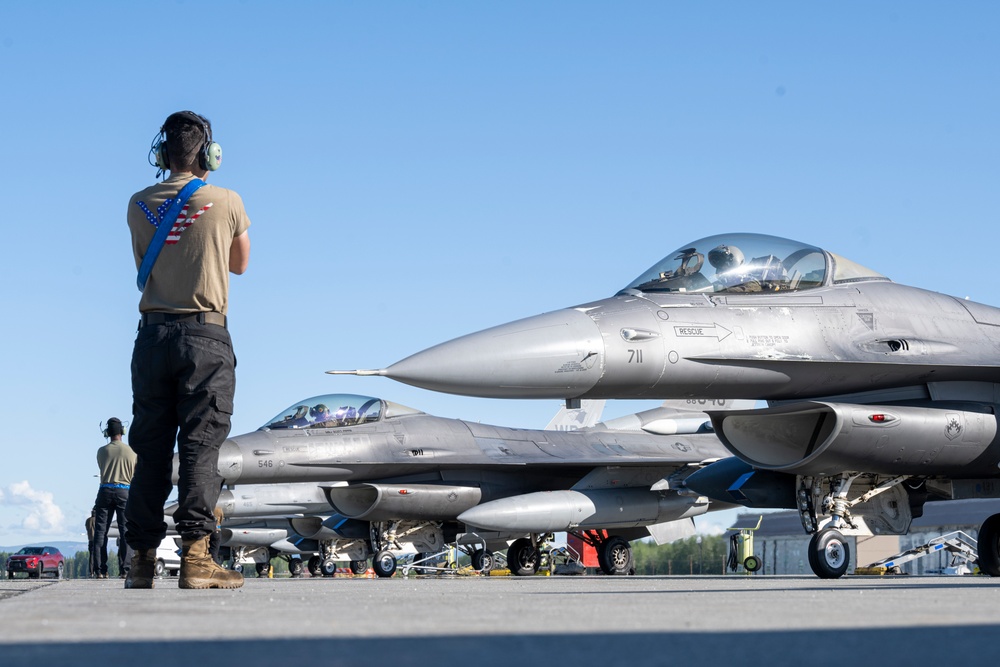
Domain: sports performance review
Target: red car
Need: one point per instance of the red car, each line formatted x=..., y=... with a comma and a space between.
x=36, y=561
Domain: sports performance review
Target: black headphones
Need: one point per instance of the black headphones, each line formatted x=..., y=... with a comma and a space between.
x=209, y=155
x=114, y=427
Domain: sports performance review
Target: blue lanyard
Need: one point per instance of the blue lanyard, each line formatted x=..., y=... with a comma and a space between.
x=163, y=229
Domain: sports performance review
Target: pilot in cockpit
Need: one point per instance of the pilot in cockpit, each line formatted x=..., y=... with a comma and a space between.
x=319, y=414
x=735, y=274
x=727, y=260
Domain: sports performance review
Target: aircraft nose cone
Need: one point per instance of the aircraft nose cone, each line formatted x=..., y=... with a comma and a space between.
x=555, y=355
x=238, y=454
x=230, y=464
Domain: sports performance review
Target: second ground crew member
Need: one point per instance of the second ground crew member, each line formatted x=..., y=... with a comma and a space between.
x=117, y=463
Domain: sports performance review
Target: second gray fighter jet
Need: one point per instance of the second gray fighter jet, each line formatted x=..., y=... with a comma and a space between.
x=409, y=476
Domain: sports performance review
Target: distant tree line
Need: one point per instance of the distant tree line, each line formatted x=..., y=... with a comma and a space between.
x=701, y=554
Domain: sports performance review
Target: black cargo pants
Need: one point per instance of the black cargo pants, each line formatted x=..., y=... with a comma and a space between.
x=183, y=381
x=110, y=505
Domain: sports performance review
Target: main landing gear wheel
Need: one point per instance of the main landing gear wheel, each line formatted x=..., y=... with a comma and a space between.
x=615, y=556
x=482, y=561
x=989, y=546
x=359, y=566
x=752, y=564
x=384, y=563
x=522, y=558
x=262, y=569
x=328, y=567
x=418, y=557
x=829, y=554
x=295, y=567
x=314, y=566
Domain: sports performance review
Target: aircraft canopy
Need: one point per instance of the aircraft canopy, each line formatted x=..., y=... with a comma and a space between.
x=741, y=263
x=336, y=410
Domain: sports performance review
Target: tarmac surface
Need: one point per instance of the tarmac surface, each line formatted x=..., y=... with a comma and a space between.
x=505, y=621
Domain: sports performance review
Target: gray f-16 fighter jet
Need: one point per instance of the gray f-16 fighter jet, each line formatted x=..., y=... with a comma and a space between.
x=883, y=396
x=732, y=316
x=392, y=474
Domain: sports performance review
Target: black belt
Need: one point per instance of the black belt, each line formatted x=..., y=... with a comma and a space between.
x=202, y=318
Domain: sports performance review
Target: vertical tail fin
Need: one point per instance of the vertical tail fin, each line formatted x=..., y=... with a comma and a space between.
x=588, y=414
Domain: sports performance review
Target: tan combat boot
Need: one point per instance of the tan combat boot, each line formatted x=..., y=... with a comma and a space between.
x=142, y=569
x=198, y=570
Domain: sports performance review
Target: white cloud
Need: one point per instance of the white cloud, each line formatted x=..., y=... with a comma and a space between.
x=44, y=516
x=715, y=523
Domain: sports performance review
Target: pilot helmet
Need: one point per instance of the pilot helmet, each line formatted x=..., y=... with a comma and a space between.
x=318, y=410
x=725, y=257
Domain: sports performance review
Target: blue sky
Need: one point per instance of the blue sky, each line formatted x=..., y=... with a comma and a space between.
x=418, y=171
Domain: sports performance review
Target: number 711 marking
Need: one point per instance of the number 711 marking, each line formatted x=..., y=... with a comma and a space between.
x=635, y=356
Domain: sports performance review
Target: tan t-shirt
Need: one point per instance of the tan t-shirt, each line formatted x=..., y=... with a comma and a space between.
x=191, y=275
x=117, y=463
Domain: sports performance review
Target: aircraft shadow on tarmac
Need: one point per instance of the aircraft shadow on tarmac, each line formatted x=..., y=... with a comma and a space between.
x=888, y=646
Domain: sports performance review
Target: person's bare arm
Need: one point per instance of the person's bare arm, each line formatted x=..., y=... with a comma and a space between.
x=239, y=253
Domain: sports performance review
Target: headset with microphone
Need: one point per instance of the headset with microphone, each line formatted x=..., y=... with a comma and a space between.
x=209, y=155
x=114, y=427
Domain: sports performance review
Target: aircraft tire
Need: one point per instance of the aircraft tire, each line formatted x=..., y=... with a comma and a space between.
x=989, y=546
x=615, y=556
x=417, y=557
x=829, y=554
x=262, y=569
x=295, y=567
x=359, y=566
x=328, y=567
x=522, y=558
x=314, y=566
x=384, y=564
x=482, y=561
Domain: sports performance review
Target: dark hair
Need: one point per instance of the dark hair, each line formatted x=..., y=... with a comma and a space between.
x=185, y=137
x=114, y=427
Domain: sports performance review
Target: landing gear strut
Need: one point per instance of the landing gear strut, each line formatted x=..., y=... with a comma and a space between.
x=829, y=552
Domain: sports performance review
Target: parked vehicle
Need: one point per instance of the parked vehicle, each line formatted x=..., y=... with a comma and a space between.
x=168, y=559
x=36, y=561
